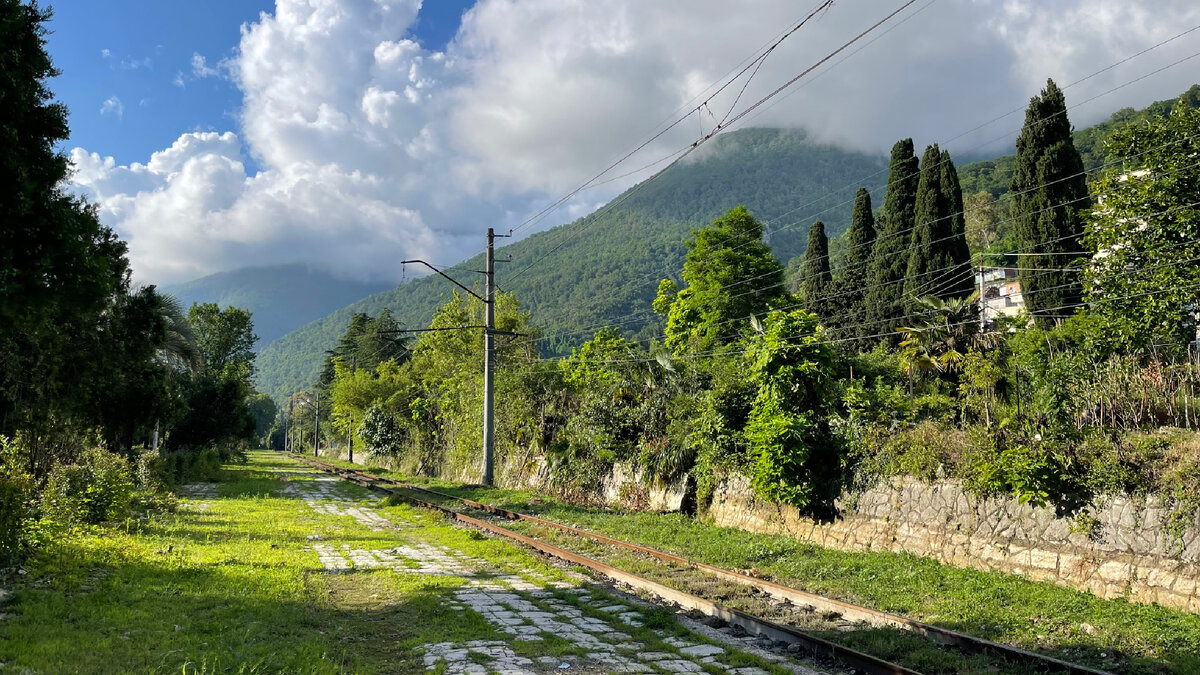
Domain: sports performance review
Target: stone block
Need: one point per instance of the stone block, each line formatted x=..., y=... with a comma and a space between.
x=1043, y=560
x=1114, y=572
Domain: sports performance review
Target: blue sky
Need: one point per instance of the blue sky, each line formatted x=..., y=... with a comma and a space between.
x=149, y=43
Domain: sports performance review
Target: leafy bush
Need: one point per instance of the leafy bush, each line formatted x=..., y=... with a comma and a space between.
x=96, y=490
x=384, y=435
x=1032, y=474
x=14, y=512
x=796, y=460
x=190, y=466
x=150, y=471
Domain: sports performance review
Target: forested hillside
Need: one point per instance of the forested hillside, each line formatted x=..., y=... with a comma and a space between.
x=611, y=262
x=281, y=297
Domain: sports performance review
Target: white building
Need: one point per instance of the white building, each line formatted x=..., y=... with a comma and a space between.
x=999, y=294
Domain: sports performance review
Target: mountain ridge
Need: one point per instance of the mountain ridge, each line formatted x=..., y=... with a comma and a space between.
x=281, y=298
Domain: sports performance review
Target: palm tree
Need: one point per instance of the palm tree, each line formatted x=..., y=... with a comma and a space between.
x=939, y=342
x=178, y=351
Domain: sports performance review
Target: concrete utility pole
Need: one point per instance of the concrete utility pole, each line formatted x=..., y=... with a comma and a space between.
x=350, y=432
x=288, y=445
x=489, y=360
x=489, y=340
x=317, y=427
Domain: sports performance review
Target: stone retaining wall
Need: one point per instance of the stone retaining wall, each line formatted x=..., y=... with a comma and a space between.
x=1127, y=554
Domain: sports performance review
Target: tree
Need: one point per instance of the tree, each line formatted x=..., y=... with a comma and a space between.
x=218, y=394
x=795, y=459
x=132, y=386
x=939, y=262
x=263, y=411
x=1048, y=192
x=847, y=311
x=889, y=255
x=983, y=220
x=940, y=337
x=956, y=252
x=224, y=339
x=816, y=279
x=366, y=343
x=1145, y=228
x=730, y=275
x=61, y=271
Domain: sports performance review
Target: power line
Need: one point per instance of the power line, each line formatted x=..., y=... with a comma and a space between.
x=969, y=210
x=973, y=321
x=759, y=60
x=696, y=144
x=913, y=247
x=950, y=267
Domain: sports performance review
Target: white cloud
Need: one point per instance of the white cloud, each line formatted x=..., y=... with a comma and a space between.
x=112, y=106
x=200, y=67
x=104, y=53
x=371, y=148
x=130, y=63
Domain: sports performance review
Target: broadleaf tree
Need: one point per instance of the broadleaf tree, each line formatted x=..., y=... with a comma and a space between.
x=729, y=275
x=1145, y=229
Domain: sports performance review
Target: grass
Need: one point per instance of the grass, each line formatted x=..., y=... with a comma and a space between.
x=230, y=584
x=1076, y=626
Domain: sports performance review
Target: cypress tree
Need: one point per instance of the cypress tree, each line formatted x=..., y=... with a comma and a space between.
x=939, y=263
x=961, y=282
x=931, y=213
x=888, y=263
x=848, y=309
x=815, y=277
x=1048, y=192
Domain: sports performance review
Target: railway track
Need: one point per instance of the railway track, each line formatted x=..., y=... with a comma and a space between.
x=790, y=606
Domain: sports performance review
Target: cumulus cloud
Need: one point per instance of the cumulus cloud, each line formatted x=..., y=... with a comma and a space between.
x=371, y=148
x=112, y=106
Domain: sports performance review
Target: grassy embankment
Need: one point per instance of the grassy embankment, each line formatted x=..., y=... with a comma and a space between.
x=1114, y=635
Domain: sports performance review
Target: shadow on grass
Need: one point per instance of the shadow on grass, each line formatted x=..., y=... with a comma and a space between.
x=231, y=617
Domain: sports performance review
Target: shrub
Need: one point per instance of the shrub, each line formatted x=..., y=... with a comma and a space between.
x=190, y=466
x=927, y=451
x=14, y=512
x=97, y=489
x=150, y=472
x=15, y=492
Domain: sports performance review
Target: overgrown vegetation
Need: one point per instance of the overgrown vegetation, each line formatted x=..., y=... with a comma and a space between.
x=797, y=394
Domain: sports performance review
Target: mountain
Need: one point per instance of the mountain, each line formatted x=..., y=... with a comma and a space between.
x=605, y=268
x=282, y=297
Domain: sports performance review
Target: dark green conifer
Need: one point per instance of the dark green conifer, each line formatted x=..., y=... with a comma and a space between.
x=889, y=259
x=847, y=308
x=960, y=281
x=1048, y=192
x=931, y=214
x=815, y=277
x=939, y=262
